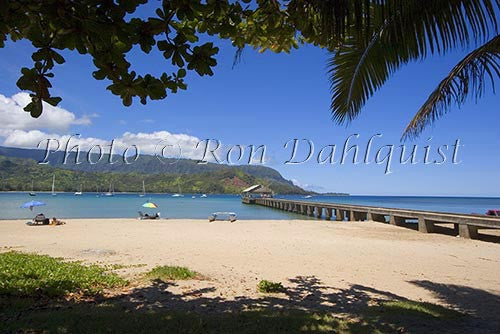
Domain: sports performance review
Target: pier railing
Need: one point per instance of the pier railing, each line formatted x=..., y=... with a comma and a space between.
x=464, y=225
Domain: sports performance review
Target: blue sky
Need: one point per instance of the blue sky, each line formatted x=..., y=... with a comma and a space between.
x=270, y=99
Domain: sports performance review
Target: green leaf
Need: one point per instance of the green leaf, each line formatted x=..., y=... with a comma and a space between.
x=53, y=101
x=181, y=73
x=34, y=108
x=57, y=57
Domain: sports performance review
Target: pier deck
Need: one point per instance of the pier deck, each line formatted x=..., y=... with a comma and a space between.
x=465, y=225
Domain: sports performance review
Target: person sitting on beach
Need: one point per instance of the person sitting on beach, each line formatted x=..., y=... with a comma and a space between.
x=56, y=221
x=40, y=218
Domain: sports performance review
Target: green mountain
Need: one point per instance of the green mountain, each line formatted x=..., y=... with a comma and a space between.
x=145, y=164
x=18, y=167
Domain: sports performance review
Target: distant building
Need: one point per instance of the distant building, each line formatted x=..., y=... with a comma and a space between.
x=249, y=194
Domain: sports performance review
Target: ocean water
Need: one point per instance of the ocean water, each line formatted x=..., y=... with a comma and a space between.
x=66, y=205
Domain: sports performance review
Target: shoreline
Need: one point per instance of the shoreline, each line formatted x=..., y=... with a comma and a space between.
x=238, y=194
x=300, y=218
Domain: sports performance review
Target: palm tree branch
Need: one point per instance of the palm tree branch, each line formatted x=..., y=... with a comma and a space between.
x=467, y=77
x=409, y=31
x=370, y=45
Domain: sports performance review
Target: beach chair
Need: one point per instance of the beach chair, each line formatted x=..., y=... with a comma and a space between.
x=231, y=216
x=40, y=219
x=146, y=216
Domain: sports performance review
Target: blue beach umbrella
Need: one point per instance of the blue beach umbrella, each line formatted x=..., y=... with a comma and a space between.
x=31, y=204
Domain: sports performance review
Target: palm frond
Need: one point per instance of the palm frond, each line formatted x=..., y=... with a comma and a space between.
x=466, y=78
x=400, y=32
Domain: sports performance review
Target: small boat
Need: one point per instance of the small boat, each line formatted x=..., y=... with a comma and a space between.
x=79, y=193
x=193, y=196
x=494, y=213
x=231, y=216
x=110, y=192
x=143, y=190
x=32, y=192
x=308, y=196
x=203, y=196
x=53, y=185
x=179, y=194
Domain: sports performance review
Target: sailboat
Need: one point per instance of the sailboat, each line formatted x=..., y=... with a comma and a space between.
x=79, y=193
x=32, y=192
x=203, y=196
x=143, y=190
x=97, y=190
x=53, y=185
x=179, y=194
x=110, y=192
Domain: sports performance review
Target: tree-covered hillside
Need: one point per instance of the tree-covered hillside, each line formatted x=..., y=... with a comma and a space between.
x=16, y=174
x=147, y=164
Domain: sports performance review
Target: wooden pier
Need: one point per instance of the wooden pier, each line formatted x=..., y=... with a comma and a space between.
x=464, y=225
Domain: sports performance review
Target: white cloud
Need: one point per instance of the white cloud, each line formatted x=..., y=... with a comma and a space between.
x=55, y=119
x=306, y=186
x=154, y=142
x=19, y=129
x=163, y=143
x=32, y=138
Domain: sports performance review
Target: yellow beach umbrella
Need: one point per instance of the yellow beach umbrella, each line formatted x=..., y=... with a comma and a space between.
x=150, y=205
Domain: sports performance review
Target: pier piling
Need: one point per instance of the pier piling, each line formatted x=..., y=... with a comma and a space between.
x=465, y=225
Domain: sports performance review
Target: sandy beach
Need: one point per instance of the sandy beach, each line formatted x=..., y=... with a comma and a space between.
x=323, y=264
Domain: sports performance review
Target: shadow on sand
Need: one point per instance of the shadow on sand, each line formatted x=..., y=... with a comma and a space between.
x=307, y=306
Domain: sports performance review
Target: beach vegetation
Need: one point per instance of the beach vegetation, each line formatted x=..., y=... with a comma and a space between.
x=118, y=316
x=31, y=286
x=168, y=273
x=419, y=308
x=266, y=286
x=24, y=274
x=119, y=266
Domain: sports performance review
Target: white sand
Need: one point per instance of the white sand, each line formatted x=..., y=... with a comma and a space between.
x=330, y=258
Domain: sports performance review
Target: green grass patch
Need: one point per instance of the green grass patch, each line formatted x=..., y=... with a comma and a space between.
x=266, y=286
x=113, y=318
x=24, y=274
x=118, y=266
x=110, y=316
x=166, y=273
x=419, y=308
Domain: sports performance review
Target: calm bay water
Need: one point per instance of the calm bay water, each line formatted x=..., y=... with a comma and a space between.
x=127, y=205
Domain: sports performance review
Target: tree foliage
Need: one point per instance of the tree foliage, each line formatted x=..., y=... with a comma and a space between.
x=369, y=39
x=467, y=77
x=108, y=31
x=396, y=32
x=16, y=174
